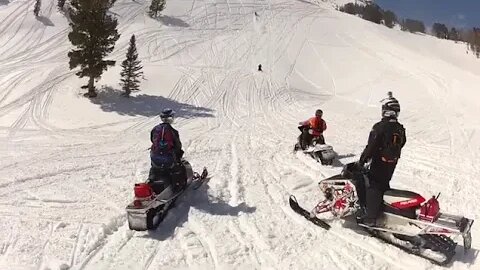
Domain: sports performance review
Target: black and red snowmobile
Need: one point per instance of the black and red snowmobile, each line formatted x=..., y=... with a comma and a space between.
x=153, y=199
x=318, y=150
x=408, y=221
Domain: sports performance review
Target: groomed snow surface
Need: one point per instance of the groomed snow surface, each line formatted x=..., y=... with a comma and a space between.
x=68, y=164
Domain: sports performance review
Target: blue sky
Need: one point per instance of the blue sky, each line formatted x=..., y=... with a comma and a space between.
x=458, y=13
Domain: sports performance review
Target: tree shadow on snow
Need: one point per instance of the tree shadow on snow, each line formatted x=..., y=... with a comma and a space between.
x=110, y=100
x=46, y=21
x=337, y=162
x=4, y=2
x=172, y=21
x=200, y=200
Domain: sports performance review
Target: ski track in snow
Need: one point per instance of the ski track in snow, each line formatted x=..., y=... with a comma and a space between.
x=63, y=189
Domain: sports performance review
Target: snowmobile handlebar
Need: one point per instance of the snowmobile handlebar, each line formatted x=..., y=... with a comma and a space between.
x=301, y=128
x=353, y=168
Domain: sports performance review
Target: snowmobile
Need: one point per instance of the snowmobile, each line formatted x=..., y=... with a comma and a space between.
x=153, y=199
x=408, y=221
x=318, y=150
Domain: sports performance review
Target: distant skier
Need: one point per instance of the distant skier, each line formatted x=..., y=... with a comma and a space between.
x=260, y=67
x=385, y=143
x=256, y=14
x=312, y=128
x=166, y=152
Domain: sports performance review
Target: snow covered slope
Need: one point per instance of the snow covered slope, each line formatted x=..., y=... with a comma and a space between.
x=68, y=164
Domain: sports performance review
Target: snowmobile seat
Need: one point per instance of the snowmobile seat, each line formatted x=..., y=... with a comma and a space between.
x=392, y=196
x=408, y=212
x=163, y=179
x=158, y=186
x=402, y=199
x=402, y=202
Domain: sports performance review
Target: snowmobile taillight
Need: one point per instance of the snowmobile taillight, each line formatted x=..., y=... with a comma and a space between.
x=143, y=190
x=137, y=203
x=430, y=210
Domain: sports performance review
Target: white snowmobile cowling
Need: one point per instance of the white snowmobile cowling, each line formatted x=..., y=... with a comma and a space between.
x=326, y=150
x=323, y=152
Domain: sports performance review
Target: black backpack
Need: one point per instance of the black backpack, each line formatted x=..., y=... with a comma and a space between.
x=393, y=141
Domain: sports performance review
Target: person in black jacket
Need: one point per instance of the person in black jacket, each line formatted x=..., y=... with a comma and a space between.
x=166, y=152
x=383, y=150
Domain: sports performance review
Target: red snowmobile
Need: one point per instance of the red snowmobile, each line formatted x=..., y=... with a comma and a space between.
x=409, y=221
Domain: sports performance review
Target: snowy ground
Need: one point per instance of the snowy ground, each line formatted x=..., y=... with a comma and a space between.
x=68, y=164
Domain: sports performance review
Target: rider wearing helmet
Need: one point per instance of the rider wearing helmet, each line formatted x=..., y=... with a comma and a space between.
x=312, y=128
x=383, y=150
x=166, y=150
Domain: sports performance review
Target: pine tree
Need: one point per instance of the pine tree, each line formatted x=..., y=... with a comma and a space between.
x=440, y=30
x=36, y=8
x=389, y=18
x=131, y=69
x=156, y=7
x=60, y=4
x=94, y=33
x=453, y=34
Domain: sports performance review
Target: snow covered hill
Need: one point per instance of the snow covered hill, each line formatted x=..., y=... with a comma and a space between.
x=68, y=164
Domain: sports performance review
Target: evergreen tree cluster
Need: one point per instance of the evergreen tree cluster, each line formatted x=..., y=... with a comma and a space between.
x=93, y=35
x=156, y=7
x=473, y=40
x=372, y=12
x=413, y=26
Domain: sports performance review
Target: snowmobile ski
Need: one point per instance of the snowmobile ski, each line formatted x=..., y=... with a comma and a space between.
x=299, y=210
x=199, y=179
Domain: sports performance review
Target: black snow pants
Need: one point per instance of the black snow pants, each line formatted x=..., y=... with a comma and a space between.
x=176, y=176
x=378, y=182
x=305, y=139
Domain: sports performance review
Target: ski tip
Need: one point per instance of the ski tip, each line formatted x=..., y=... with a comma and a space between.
x=204, y=172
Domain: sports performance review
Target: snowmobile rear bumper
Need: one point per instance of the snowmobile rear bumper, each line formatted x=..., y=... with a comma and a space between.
x=147, y=214
x=322, y=153
x=446, y=224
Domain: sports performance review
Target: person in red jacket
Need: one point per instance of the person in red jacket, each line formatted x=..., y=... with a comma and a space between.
x=312, y=128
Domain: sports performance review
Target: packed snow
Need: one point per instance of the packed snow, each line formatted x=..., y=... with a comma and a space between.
x=68, y=163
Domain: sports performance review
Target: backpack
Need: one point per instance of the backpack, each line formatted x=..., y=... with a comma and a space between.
x=162, y=154
x=393, y=141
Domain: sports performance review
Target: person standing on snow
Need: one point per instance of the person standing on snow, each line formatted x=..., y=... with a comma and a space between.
x=312, y=128
x=385, y=142
x=166, y=151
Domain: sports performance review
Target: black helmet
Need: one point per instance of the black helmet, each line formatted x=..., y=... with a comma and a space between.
x=390, y=107
x=319, y=113
x=167, y=116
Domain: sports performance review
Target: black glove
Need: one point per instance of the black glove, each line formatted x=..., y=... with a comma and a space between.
x=360, y=163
